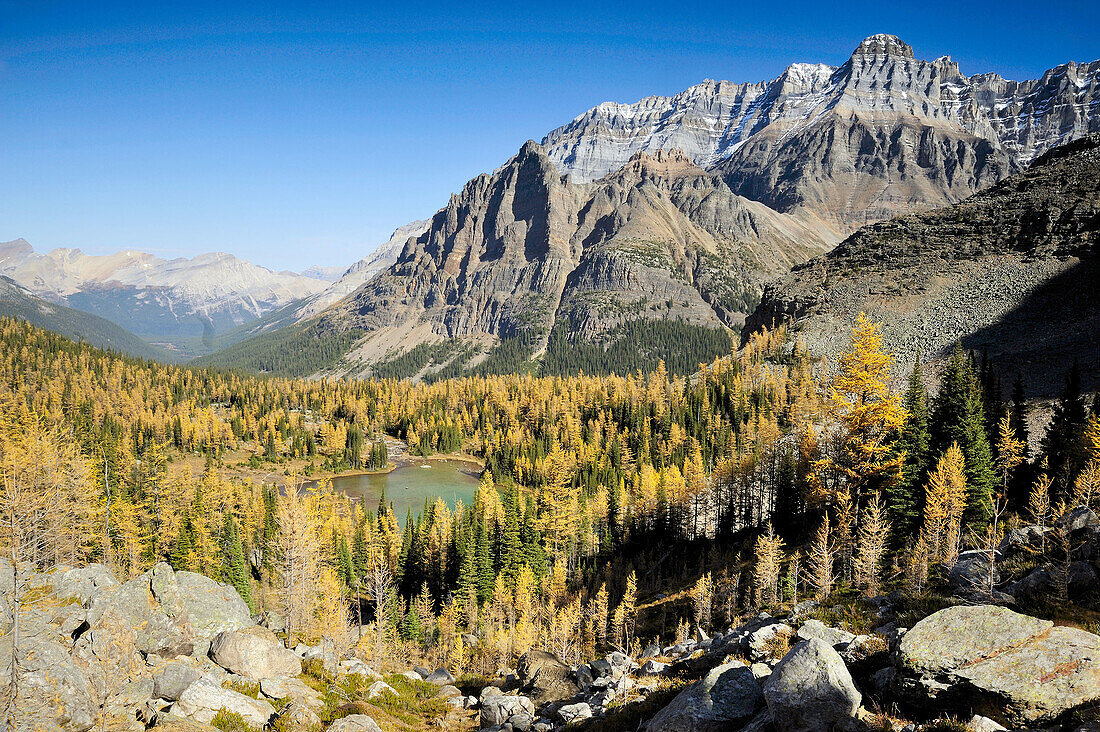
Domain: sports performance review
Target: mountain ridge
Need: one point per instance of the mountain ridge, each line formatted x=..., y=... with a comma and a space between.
x=777, y=141
x=1010, y=271
x=174, y=302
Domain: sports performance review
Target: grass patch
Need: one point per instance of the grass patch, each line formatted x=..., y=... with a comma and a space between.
x=228, y=721
x=241, y=686
x=848, y=610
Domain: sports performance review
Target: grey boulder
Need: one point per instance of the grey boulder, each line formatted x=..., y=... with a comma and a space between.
x=202, y=700
x=1017, y=670
x=53, y=694
x=172, y=678
x=726, y=698
x=254, y=653
x=355, y=723
x=810, y=690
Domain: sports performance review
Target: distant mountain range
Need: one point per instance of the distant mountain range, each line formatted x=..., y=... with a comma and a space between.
x=637, y=232
x=173, y=303
x=18, y=302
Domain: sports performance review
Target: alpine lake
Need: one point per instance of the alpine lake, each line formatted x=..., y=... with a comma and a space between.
x=412, y=483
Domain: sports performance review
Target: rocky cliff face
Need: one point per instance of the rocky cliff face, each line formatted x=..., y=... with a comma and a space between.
x=880, y=135
x=1011, y=270
x=521, y=250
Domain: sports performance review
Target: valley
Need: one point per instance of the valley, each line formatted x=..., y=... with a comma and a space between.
x=762, y=407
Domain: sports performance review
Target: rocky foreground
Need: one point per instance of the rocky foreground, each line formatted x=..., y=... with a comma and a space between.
x=177, y=651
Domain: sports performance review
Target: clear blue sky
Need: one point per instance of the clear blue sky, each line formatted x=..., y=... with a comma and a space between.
x=303, y=134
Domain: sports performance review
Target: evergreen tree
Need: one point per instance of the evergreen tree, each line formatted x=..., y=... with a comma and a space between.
x=1020, y=411
x=234, y=567
x=180, y=558
x=1063, y=446
x=958, y=417
x=904, y=500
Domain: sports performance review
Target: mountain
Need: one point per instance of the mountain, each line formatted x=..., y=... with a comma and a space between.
x=325, y=274
x=18, y=302
x=655, y=259
x=639, y=232
x=348, y=281
x=880, y=135
x=1011, y=272
x=173, y=302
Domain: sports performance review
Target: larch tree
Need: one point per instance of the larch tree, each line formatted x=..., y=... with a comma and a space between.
x=702, y=598
x=869, y=413
x=945, y=500
x=874, y=533
x=298, y=564
x=822, y=553
x=769, y=557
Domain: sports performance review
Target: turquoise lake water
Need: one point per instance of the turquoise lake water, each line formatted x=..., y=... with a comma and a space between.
x=410, y=485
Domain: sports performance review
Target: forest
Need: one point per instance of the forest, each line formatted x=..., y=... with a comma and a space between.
x=612, y=510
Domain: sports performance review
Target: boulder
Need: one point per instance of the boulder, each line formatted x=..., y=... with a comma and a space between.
x=496, y=708
x=203, y=699
x=864, y=651
x=108, y=657
x=324, y=653
x=294, y=689
x=652, y=667
x=574, y=712
x=151, y=607
x=1023, y=538
x=810, y=690
x=546, y=677
x=1017, y=670
x=254, y=653
x=440, y=677
x=521, y=722
x=726, y=698
x=355, y=723
x=77, y=584
x=817, y=629
x=172, y=678
x=297, y=717
x=764, y=642
x=1079, y=519
x=213, y=607
x=970, y=575
x=53, y=694
x=166, y=722
x=380, y=688
x=651, y=650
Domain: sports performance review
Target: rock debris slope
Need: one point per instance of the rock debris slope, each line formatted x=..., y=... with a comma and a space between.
x=874, y=137
x=1011, y=270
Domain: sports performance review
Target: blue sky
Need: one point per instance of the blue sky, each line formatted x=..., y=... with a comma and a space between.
x=301, y=134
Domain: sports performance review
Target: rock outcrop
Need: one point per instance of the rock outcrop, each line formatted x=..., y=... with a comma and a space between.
x=1015, y=669
x=726, y=698
x=874, y=137
x=1009, y=271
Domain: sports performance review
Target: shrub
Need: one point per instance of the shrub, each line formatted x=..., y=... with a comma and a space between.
x=242, y=686
x=228, y=721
